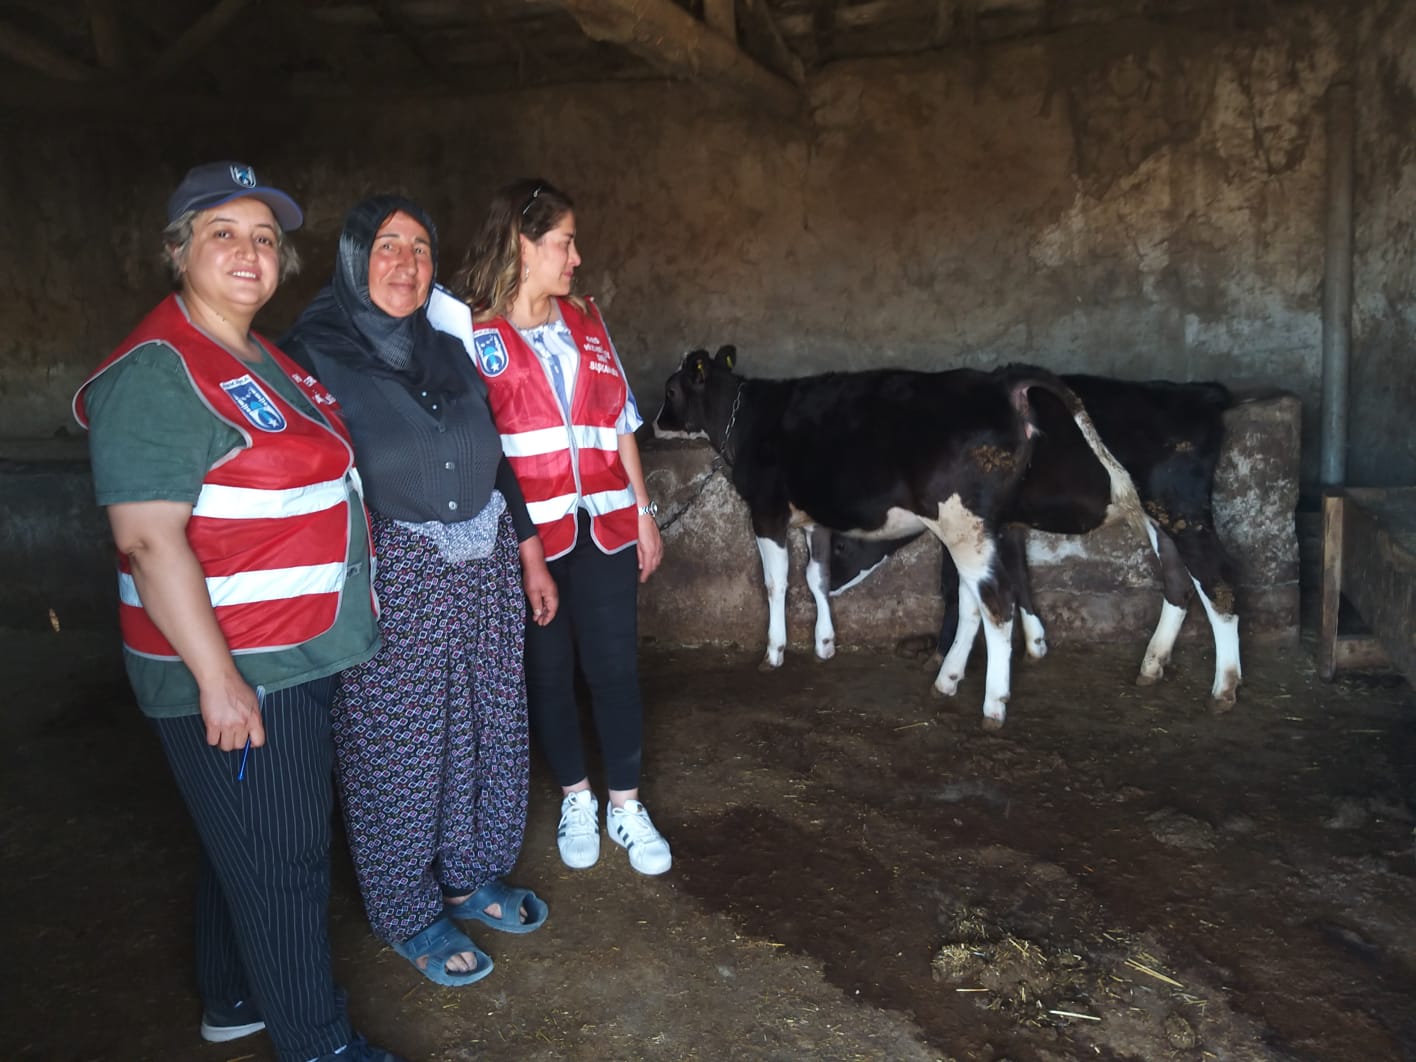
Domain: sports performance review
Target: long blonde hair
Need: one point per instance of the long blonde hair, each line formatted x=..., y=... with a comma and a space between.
x=490, y=276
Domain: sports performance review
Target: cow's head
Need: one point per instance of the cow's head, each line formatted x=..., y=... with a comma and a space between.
x=692, y=392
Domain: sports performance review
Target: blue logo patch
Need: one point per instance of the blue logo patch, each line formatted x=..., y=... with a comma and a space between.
x=254, y=403
x=490, y=352
x=245, y=176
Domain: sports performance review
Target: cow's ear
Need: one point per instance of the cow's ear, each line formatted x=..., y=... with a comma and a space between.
x=696, y=362
x=726, y=356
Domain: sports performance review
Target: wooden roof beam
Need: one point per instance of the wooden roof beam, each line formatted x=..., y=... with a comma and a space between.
x=760, y=26
x=37, y=55
x=721, y=17
x=390, y=15
x=678, y=45
x=107, y=35
x=197, y=36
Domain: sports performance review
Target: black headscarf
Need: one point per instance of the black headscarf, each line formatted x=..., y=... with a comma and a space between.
x=344, y=324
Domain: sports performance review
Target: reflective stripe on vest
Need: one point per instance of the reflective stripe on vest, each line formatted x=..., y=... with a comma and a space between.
x=219, y=501
x=245, y=588
x=550, y=440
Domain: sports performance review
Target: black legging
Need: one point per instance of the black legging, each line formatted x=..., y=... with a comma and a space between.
x=598, y=622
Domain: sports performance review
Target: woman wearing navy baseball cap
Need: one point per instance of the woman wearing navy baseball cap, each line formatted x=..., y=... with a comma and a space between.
x=243, y=556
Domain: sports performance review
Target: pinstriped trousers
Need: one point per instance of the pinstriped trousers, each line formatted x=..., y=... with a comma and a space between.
x=262, y=924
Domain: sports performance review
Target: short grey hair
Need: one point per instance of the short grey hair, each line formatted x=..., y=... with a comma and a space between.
x=177, y=241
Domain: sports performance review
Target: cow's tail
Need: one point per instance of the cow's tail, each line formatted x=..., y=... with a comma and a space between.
x=1123, y=488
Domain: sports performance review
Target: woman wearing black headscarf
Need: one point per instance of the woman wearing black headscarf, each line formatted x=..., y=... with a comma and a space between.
x=431, y=734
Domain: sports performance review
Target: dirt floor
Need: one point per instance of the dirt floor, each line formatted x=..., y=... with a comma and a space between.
x=860, y=872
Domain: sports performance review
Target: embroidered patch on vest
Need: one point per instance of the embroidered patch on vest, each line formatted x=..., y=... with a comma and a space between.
x=254, y=403
x=490, y=352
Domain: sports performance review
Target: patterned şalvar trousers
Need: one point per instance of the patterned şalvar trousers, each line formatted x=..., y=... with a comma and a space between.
x=431, y=736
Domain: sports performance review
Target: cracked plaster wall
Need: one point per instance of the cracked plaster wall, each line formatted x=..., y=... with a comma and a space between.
x=1133, y=200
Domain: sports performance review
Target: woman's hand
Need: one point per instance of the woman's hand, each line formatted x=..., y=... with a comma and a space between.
x=651, y=547
x=172, y=585
x=536, y=580
x=232, y=713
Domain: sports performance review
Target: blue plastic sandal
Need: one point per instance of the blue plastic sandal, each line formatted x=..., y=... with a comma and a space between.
x=437, y=944
x=512, y=900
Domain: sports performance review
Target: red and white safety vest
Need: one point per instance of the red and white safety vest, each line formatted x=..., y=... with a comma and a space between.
x=270, y=527
x=558, y=463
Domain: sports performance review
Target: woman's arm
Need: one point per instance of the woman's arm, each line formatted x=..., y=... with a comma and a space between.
x=651, y=546
x=170, y=581
x=536, y=578
x=537, y=581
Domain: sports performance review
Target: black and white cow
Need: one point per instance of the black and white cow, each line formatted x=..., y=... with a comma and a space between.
x=879, y=454
x=1168, y=436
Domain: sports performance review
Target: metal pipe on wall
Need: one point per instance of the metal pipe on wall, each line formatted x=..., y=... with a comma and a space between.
x=1337, y=283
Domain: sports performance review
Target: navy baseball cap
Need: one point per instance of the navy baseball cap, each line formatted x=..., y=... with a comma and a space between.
x=215, y=183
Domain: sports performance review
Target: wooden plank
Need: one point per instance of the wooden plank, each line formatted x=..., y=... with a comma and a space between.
x=679, y=46
x=396, y=20
x=1379, y=576
x=1360, y=651
x=35, y=54
x=197, y=36
x=107, y=33
x=721, y=17
x=759, y=25
x=1333, y=505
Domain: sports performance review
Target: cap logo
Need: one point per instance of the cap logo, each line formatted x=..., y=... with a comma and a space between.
x=245, y=176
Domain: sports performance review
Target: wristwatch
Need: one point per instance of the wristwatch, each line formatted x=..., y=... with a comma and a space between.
x=652, y=509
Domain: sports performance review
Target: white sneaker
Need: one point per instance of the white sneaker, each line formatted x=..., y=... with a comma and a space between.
x=630, y=828
x=578, y=835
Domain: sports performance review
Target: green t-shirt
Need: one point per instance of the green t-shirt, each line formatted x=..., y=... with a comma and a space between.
x=152, y=438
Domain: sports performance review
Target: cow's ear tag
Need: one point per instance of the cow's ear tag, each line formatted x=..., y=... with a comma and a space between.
x=699, y=365
x=727, y=355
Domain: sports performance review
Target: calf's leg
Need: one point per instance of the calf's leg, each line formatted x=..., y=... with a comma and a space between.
x=967, y=620
x=974, y=549
x=774, y=577
x=1175, y=578
x=1227, y=671
x=818, y=579
x=1210, y=572
x=1013, y=542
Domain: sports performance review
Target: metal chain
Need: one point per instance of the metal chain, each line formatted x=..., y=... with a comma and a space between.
x=728, y=431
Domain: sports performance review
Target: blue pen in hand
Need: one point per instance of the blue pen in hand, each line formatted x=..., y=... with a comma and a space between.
x=260, y=705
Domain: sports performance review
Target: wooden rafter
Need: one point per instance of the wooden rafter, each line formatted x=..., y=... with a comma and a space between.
x=197, y=36
x=759, y=24
x=37, y=55
x=678, y=45
x=397, y=21
x=721, y=17
x=107, y=34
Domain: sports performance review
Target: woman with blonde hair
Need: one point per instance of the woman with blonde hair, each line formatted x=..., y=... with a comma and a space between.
x=567, y=418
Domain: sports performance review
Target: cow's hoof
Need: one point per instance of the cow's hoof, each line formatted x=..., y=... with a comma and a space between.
x=1037, y=650
x=946, y=686
x=989, y=723
x=1223, y=702
x=1148, y=680
x=770, y=662
x=826, y=650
